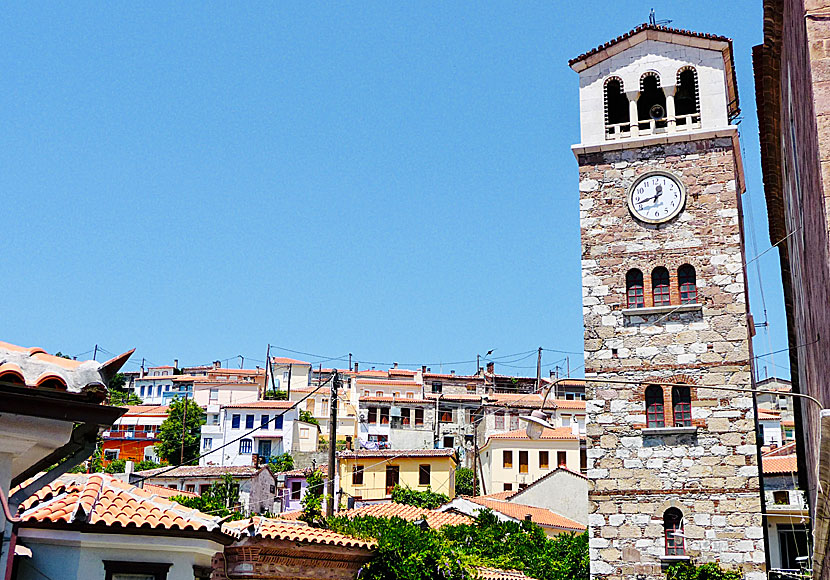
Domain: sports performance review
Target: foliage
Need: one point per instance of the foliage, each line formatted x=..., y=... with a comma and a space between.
x=464, y=482
x=424, y=499
x=275, y=395
x=408, y=552
x=169, y=446
x=280, y=463
x=710, y=571
x=312, y=501
x=116, y=466
x=147, y=464
x=118, y=394
x=60, y=354
x=307, y=417
x=220, y=499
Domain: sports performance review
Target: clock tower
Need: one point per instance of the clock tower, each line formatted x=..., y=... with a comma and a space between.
x=671, y=457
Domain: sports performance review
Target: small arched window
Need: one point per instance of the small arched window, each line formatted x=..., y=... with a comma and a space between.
x=681, y=400
x=660, y=286
x=654, y=407
x=634, y=289
x=673, y=526
x=652, y=101
x=687, y=280
x=686, y=101
x=616, y=103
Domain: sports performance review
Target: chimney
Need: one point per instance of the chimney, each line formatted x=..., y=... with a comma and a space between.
x=255, y=460
x=356, y=366
x=452, y=373
x=217, y=364
x=141, y=372
x=423, y=368
x=176, y=363
x=128, y=469
x=528, y=518
x=394, y=365
x=491, y=368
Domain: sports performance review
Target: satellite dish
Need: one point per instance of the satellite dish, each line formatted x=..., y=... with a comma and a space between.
x=657, y=112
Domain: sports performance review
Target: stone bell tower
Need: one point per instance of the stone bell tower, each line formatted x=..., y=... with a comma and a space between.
x=673, y=466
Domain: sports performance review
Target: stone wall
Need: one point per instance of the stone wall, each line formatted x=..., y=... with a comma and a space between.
x=709, y=471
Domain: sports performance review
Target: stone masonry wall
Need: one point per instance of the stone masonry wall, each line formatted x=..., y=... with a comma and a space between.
x=710, y=475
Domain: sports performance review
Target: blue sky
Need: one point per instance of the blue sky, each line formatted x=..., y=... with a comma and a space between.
x=388, y=179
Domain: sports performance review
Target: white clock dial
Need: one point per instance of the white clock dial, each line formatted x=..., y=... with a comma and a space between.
x=656, y=197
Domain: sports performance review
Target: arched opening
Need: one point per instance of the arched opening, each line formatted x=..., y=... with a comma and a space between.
x=660, y=286
x=681, y=400
x=686, y=99
x=652, y=102
x=12, y=378
x=687, y=281
x=616, y=107
x=654, y=407
x=53, y=383
x=634, y=289
x=673, y=527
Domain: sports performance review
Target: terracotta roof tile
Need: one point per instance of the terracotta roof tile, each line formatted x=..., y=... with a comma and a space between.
x=532, y=401
x=499, y=495
x=541, y=516
x=780, y=464
x=410, y=513
x=261, y=405
x=165, y=492
x=396, y=453
x=787, y=449
x=400, y=400
x=564, y=433
x=200, y=471
x=295, y=532
x=146, y=410
x=281, y=360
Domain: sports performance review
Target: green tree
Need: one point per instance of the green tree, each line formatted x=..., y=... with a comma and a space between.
x=169, y=447
x=271, y=395
x=312, y=501
x=220, y=499
x=464, y=482
x=710, y=571
x=307, y=417
x=280, y=463
x=147, y=464
x=116, y=466
x=427, y=499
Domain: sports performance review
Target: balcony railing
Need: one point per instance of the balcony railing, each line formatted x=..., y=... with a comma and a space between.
x=646, y=127
x=129, y=435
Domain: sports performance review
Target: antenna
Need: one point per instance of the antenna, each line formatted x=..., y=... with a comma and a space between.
x=652, y=19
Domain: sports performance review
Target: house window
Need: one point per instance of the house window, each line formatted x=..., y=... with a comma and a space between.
x=309, y=406
x=158, y=390
x=235, y=421
x=436, y=386
x=263, y=421
x=384, y=415
x=121, y=570
x=142, y=390
x=634, y=289
x=423, y=474
x=687, y=281
x=543, y=460
x=393, y=477
x=508, y=487
x=373, y=415
x=246, y=446
x=660, y=286
x=191, y=487
x=446, y=416
x=204, y=488
x=405, y=414
x=324, y=403
x=357, y=475
x=378, y=393
x=419, y=417
x=278, y=422
x=296, y=490
x=681, y=399
x=673, y=525
x=514, y=421
x=111, y=454
x=396, y=395
x=499, y=419
x=449, y=442
x=561, y=459
x=522, y=461
x=654, y=407
x=410, y=395
x=207, y=443
x=249, y=421
x=214, y=395
x=507, y=459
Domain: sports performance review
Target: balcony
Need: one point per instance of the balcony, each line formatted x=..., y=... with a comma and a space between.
x=129, y=435
x=646, y=127
x=211, y=429
x=785, y=500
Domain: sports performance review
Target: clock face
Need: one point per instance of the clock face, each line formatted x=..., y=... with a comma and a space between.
x=656, y=197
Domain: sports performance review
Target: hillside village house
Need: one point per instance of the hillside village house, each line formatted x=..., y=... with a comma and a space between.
x=287, y=372
x=389, y=422
x=511, y=460
x=367, y=475
x=275, y=423
x=133, y=435
x=257, y=485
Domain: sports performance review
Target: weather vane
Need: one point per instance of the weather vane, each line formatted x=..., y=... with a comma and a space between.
x=652, y=19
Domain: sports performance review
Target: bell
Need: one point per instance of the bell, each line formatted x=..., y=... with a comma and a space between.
x=657, y=112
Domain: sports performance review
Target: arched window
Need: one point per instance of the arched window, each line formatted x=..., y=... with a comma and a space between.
x=687, y=280
x=660, y=286
x=686, y=100
x=654, y=407
x=616, y=103
x=673, y=525
x=634, y=288
x=652, y=101
x=681, y=400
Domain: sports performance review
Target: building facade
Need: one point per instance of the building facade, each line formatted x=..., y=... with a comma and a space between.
x=672, y=458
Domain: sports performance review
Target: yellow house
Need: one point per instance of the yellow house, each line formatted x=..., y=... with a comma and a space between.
x=511, y=461
x=371, y=475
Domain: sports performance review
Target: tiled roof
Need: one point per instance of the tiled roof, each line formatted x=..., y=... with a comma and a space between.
x=295, y=532
x=394, y=453
x=525, y=400
x=302, y=472
x=787, y=449
x=499, y=495
x=788, y=423
x=461, y=397
x=34, y=367
x=410, y=513
x=199, y=471
x=380, y=382
x=100, y=499
x=261, y=405
x=564, y=433
x=294, y=515
x=644, y=28
x=496, y=574
x=780, y=464
x=541, y=516
x=400, y=400
x=281, y=360
x=162, y=491
x=146, y=410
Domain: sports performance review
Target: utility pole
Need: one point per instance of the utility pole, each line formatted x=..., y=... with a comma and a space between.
x=335, y=386
x=267, y=366
x=350, y=361
x=568, y=366
x=95, y=352
x=539, y=369
x=475, y=459
x=184, y=428
x=241, y=361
